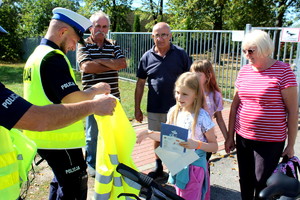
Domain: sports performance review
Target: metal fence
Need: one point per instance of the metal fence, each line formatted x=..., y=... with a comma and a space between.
x=216, y=46
x=220, y=47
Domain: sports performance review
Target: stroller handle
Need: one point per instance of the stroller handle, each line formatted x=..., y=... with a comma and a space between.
x=144, y=180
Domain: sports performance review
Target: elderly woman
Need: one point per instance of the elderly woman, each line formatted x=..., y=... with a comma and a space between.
x=264, y=114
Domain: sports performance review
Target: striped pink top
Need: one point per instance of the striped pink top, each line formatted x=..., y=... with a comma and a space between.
x=261, y=115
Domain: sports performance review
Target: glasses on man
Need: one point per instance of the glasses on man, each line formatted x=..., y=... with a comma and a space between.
x=163, y=36
x=250, y=51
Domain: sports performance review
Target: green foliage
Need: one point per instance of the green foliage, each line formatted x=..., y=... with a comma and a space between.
x=136, y=24
x=250, y=12
x=282, y=7
x=229, y=14
x=37, y=14
x=23, y=19
x=153, y=12
x=11, y=74
x=11, y=77
x=134, y=59
x=30, y=18
x=10, y=44
x=116, y=9
x=188, y=24
x=182, y=11
x=127, y=98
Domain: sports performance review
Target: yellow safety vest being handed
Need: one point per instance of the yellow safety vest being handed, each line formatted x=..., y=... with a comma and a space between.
x=116, y=140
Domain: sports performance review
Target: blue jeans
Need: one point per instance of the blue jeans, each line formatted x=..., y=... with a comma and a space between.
x=91, y=140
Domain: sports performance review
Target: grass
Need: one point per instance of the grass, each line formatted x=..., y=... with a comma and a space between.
x=11, y=75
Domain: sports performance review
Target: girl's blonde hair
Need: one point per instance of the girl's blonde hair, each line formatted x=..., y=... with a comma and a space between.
x=190, y=80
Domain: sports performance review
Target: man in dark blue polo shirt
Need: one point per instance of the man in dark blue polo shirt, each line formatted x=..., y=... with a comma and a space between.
x=160, y=66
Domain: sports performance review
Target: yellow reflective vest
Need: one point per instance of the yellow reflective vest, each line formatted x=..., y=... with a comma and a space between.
x=26, y=151
x=16, y=155
x=9, y=170
x=70, y=137
x=116, y=139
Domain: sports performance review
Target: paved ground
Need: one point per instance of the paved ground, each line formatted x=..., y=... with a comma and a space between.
x=224, y=170
x=143, y=155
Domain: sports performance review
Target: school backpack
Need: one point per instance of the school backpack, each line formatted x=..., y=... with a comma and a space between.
x=289, y=167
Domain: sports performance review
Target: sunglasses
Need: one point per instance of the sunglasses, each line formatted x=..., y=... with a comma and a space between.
x=164, y=36
x=250, y=51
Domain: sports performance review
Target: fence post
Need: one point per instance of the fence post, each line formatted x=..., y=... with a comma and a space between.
x=247, y=30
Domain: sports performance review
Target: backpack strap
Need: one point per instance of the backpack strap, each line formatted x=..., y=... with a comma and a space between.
x=293, y=168
x=289, y=166
x=296, y=164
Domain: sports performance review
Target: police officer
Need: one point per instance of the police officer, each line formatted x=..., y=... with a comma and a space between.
x=15, y=112
x=49, y=79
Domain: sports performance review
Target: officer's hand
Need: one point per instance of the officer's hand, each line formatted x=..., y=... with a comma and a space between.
x=104, y=105
x=102, y=88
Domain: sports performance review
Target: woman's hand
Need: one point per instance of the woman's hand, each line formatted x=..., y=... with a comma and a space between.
x=289, y=151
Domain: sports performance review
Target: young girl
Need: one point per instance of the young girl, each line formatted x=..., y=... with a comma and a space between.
x=212, y=92
x=191, y=183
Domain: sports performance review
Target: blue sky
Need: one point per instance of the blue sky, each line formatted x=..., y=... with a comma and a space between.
x=138, y=3
x=135, y=3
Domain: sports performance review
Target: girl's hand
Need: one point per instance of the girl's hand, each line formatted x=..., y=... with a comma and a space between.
x=141, y=136
x=190, y=144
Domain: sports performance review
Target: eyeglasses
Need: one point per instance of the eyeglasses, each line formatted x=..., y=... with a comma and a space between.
x=250, y=51
x=163, y=36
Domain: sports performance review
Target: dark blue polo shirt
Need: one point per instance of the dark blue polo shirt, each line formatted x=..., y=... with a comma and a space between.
x=162, y=74
x=12, y=107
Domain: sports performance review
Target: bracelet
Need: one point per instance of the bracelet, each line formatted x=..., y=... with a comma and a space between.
x=199, y=144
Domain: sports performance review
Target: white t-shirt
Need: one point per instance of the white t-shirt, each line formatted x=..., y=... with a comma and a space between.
x=185, y=120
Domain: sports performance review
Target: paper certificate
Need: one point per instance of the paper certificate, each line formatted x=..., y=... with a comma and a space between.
x=170, y=151
x=170, y=159
x=171, y=143
x=171, y=136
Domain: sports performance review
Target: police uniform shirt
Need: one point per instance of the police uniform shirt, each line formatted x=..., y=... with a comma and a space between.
x=55, y=74
x=12, y=107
